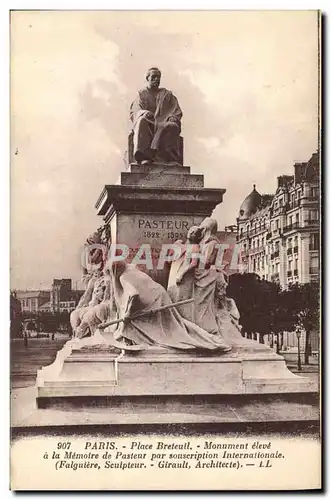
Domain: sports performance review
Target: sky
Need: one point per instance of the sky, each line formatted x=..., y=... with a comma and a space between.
x=247, y=82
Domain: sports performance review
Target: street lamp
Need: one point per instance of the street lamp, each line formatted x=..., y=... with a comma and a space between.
x=298, y=334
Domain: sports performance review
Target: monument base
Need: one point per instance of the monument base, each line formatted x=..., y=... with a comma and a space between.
x=86, y=370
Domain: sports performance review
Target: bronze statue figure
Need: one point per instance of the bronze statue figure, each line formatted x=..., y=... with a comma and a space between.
x=156, y=118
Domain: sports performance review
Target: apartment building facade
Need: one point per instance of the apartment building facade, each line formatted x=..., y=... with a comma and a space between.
x=279, y=235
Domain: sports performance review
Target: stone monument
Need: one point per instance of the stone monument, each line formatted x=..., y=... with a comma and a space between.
x=147, y=346
x=156, y=199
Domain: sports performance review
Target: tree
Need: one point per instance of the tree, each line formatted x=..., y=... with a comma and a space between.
x=304, y=304
x=281, y=316
x=15, y=316
x=51, y=322
x=258, y=303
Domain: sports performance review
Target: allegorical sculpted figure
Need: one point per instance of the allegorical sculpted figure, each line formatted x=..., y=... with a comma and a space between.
x=100, y=309
x=156, y=118
x=182, y=272
x=92, y=307
x=207, y=278
x=136, y=292
x=200, y=277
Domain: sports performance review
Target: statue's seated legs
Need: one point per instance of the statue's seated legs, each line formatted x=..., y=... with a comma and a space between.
x=166, y=145
x=142, y=139
x=92, y=318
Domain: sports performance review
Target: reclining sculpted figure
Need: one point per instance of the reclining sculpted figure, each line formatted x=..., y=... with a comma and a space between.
x=158, y=322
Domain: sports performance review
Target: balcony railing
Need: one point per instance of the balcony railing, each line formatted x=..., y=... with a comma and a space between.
x=291, y=227
x=256, y=250
x=312, y=198
x=311, y=222
x=313, y=270
x=256, y=230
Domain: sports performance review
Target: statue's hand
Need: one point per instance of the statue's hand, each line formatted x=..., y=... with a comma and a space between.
x=149, y=115
x=126, y=318
x=172, y=119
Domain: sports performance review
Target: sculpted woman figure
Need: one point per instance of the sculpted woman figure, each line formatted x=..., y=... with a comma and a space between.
x=195, y=274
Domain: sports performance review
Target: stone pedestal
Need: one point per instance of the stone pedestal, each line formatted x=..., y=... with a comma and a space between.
x=153, y=205
x=98, y=371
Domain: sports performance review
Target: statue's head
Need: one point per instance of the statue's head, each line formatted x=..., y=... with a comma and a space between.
x=194, y=234
x=98, y=293
x=94, y=238
x=208, y=225
x=153, y=77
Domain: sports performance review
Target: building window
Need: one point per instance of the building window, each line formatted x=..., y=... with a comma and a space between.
x=313, y=215
x=314, y=242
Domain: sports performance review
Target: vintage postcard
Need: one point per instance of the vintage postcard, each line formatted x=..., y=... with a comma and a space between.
x=165, y=250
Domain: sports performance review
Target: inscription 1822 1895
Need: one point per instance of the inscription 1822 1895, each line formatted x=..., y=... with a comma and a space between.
x=169, y=229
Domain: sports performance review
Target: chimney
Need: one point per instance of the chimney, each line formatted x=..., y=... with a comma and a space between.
x=283, y=180
x=299, y=171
